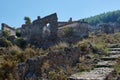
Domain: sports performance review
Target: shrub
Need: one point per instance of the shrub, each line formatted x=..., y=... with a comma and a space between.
x=4, y=42
x=106, y=51
x=15, y=50
x=84, y=46
x=117, y=66
x=59, y=46
x=60, y=75
x=69, y=70
x=52, y=75
x=20, y=42
x=21, y=57
x=29, y=52
x=5, y=33
x=6, y=69
x=69, y=31
x=10, y=76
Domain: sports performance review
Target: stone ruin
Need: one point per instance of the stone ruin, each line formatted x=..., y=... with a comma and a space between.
x=47, y=31
x=37, y=28
x=11, y=30
x=44, y=32
x=80, y=31
x=8, y=28
x=106, y=28
x=41, y=30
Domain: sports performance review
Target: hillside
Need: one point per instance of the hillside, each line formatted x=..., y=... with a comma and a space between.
x=108, y=17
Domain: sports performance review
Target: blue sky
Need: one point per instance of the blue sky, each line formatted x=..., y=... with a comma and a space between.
x=12, y=12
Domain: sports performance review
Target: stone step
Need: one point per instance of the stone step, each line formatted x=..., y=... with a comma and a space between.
x=114, y=49
x=96, y=74
x=113, y=45
x=114, y=52
x=105, y=64
x=110, y=57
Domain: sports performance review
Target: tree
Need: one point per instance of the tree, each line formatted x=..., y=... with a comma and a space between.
x=104, y=18
x=27, y=20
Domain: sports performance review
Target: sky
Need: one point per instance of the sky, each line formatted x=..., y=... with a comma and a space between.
x=12, y=12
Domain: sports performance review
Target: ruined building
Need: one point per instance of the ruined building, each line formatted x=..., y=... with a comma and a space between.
x=8, y=28
x=44, y=30
x=41, y=29
x=80, y=29
x=116, y=27
x=47, y=31
x=109, y=28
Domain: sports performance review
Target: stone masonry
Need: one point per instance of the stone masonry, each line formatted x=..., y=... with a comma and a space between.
x=8, y=28
x=35, y=31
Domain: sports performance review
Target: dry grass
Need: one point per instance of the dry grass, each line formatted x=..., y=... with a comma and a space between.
x=117, y=66
x=59, y=46
x=16, y=55
x=101, y=42
x=6, y=70
x=14, y=50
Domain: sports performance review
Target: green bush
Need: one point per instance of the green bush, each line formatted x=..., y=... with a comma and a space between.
x=29, y=52
x=15, y=50
x=5, y=33
x=4, y=42
x=69, y=31
x=20, y=42
x=52, y=75
x=83, y=46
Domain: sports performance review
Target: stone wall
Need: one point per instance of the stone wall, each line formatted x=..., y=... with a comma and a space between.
x=34, y=31
x=80, y=29
x=34, y=67
x=42, y=32
x=45, y=32
x=116, y=27
x=8, y=28
x=107, y=28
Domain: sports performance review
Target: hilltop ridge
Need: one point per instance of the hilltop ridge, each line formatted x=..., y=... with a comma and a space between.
x=108, y=17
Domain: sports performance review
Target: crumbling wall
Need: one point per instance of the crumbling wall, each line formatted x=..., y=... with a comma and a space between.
x=8, y=28
x=36, y=35
x=80, y=31
x=34, y=31
x=106, y=28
